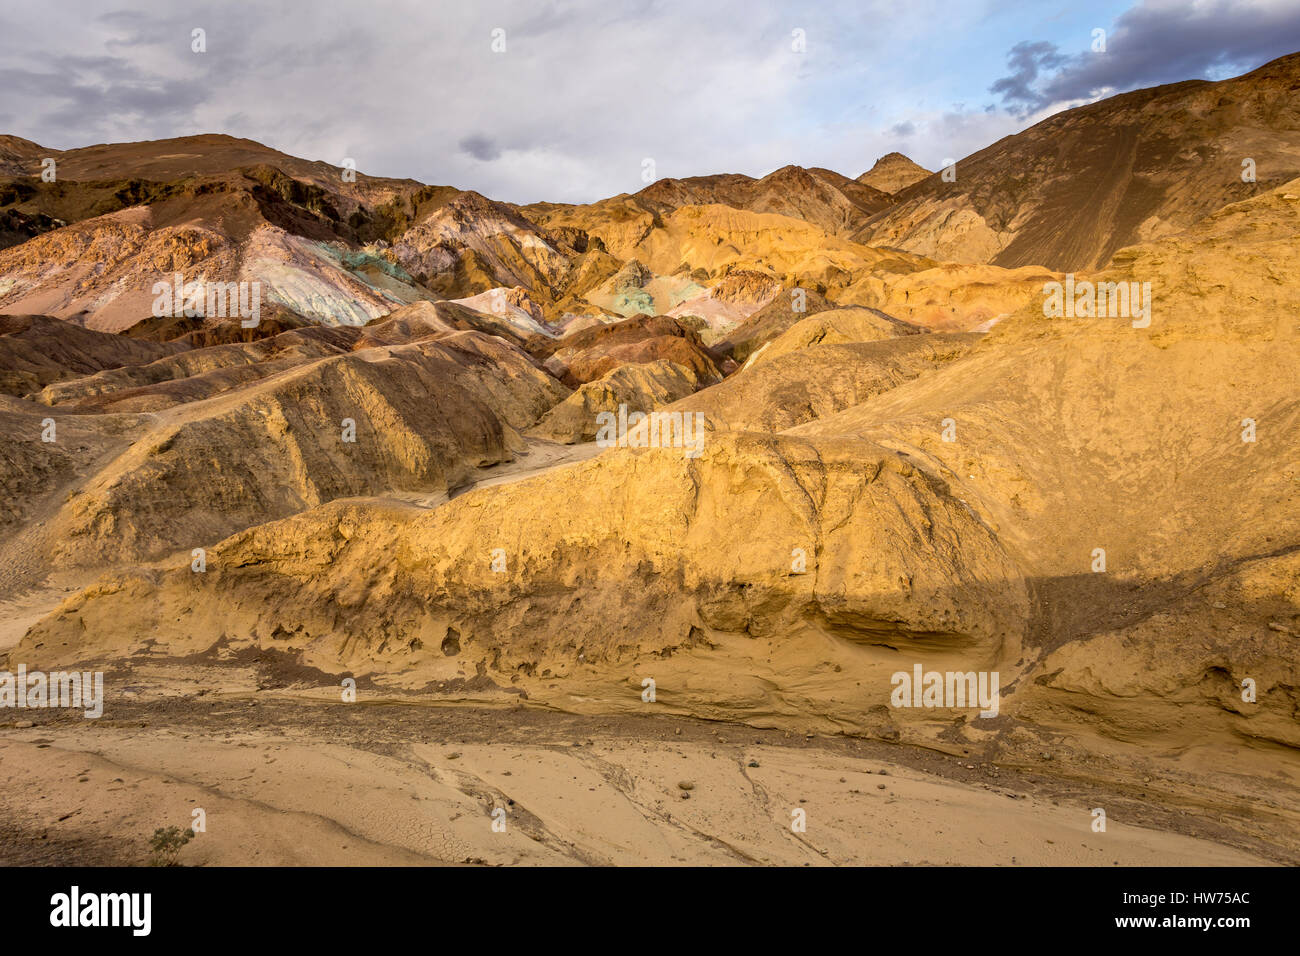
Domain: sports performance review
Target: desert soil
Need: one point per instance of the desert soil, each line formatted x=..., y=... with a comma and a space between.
x=285, y=780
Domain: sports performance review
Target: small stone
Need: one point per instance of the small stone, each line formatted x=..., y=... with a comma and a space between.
x=753, y=763
x=686, y=796
x=1275, y=626
x=685, y=785
x=880, y=786
x=24, y=724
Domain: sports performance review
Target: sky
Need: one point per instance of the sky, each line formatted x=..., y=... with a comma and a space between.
x=572, y=101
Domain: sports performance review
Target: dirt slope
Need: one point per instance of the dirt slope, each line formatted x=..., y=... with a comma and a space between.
x=1072, y=190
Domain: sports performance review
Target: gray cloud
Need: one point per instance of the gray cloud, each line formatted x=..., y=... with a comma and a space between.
x=1026, y=60
x=586, y=90
x=105, y=87
x=1154, y=42
x=482, y=148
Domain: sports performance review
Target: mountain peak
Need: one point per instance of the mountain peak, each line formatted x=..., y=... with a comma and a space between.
x=893, y=172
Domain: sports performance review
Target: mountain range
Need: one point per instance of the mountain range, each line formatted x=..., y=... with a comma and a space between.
x=395, y=470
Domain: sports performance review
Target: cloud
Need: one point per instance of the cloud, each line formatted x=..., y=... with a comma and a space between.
x=105, y=88
x=586, y=89
x=1026, y=60
x=584, y=92
x=1154, y=42
x=482, y=148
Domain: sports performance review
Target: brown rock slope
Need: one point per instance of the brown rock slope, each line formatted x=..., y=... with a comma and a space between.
x=709, y=240
x=810, y=383
x=641, y=387
x=244, y=433
x=34, y=471
x=832, y=327
x=90, y=245
x=951, y=297
x=590, y=353
x=1071, y=190
x=101, y=271
x=194, y=375
x=770, y=321
x=472, y=243
x=1080, y=434
x=94, y=180
x=730, y=302
x=36, y=350
x=206, y=371
x=20, y=156
x=892, y=173
x=821, y=197
x=643, y=565
x=120, y=218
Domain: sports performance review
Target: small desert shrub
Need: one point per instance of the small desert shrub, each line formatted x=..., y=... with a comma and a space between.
x=166, y=845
